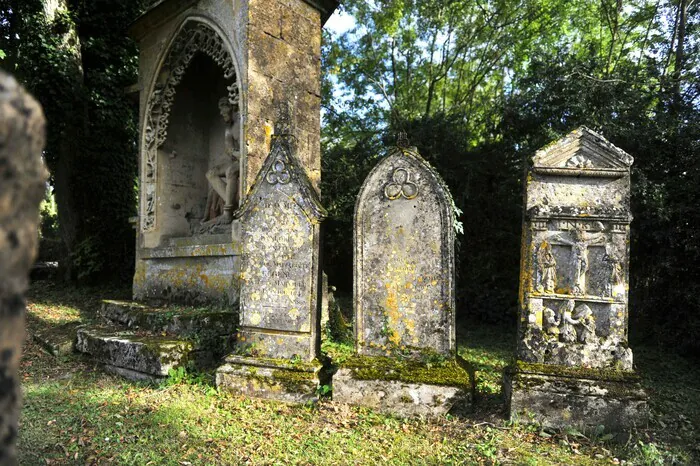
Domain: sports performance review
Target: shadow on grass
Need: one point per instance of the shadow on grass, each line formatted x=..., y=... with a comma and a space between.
x=55, y=310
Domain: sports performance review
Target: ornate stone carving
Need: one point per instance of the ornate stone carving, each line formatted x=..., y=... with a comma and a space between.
x=615, y=286
x=194, y=37
x=567, y=325
x=223, y=175
x=401, y=185
x=579, y=161
x=279, y=173
x=547, y=268
x=585, y=328
x=579, y=241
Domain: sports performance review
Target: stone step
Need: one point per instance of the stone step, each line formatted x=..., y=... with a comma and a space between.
x=137, y=356
x=172, y=320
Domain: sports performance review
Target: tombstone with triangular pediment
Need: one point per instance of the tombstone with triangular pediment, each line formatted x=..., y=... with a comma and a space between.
x=574, y=286
x=279, y=336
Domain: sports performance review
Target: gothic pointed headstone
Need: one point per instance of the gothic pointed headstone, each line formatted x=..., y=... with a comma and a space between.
x=404, y=297
x=279, y=337
x=574, y=365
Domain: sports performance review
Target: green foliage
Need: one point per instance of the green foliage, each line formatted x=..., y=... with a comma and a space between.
x=76, y=58
x=480, y=86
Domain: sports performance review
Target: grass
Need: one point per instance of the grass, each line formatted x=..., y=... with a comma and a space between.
x=75, y=414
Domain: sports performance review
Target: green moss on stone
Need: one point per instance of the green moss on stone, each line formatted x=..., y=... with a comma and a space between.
x=295, y=381
x=445, y=372
x=577, y=372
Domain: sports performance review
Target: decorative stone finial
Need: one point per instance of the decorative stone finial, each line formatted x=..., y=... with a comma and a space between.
x=402, y=140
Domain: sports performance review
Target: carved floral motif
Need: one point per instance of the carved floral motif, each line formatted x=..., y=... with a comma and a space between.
x=402, y=186
x=279, y=173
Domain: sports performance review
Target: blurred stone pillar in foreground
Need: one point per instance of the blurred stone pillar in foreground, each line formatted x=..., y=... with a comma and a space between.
x=22, y=184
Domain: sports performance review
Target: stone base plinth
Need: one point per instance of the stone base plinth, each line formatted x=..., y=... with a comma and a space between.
x=275, y=379
x=404, y=387
x=199, y=274
x=560, y=396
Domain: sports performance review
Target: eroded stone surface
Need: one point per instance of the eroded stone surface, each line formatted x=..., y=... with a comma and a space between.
x=404, y=259
x=22, y=184
x=280, y=302
x=574, y=268
x=149, y=355
x=270, y=379
x=558, y=401
x=211, y=73
x=576, y=255
x=184, y=322
x=397, y=397
x=404, y=297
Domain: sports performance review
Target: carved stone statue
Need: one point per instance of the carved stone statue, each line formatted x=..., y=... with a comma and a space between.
x=567, y=326
x=579, y=242
x=615, y=279
x=586, y=324
x=547, y=267
x=551, y=322
x=224, y=174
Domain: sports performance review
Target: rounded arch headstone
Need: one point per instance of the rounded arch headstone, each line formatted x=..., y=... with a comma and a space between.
x=404, y=259
x=406, y=361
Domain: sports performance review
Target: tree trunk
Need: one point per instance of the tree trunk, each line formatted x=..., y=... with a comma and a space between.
x=67, y=147
x=679, y=59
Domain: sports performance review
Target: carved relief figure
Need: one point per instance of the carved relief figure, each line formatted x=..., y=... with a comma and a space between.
x=579, y=242
x=616, y=281
x=223, y=175
x=586, y=324
x=551, y=322
x=547, y=267
x=567, y=326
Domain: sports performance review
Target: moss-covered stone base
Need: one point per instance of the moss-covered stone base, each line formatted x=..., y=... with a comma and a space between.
x=564, y=396
x=404, y=387
x=148, y=355
x=276, y=379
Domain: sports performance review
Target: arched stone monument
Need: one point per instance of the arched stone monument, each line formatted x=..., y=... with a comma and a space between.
x=574, y=364
x=211, y=74
x=406, y=361
x=279, y=341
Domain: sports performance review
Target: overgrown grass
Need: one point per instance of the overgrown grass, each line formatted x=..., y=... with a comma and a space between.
x=75, y=414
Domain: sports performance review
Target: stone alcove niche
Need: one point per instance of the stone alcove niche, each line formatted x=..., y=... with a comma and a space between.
x=184, y=136
x=195, y=142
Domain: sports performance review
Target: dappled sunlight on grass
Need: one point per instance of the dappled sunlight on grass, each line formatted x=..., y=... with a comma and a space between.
x=75, y=414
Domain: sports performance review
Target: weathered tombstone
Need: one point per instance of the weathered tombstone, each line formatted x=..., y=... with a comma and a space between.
x=22, y=186
x=574, y=366
x=210, y=75
x=279, y=337
x=404, y=293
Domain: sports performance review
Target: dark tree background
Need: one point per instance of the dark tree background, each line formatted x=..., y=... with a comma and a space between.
x=76, y=58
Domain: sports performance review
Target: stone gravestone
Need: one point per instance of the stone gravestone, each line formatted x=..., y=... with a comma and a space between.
x=22, y=189
x=404, y=293
x=574, y=366
x=210, y=72
x=279, y=338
